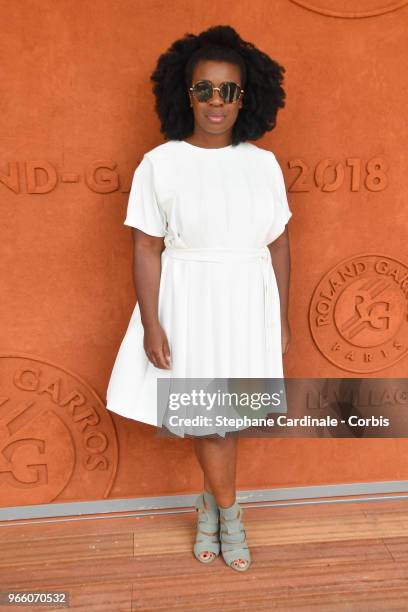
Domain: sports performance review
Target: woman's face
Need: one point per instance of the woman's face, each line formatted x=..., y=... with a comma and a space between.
x=216, y=72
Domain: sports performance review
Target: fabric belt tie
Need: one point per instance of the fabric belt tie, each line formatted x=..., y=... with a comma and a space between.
x=226, y=254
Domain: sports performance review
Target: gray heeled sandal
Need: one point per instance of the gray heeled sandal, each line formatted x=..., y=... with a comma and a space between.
x=207, y=538
x=233, y=538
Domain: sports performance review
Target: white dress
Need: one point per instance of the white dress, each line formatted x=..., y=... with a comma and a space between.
x=217, y=209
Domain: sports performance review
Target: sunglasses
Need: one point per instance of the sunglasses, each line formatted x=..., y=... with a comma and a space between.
x=229, y=91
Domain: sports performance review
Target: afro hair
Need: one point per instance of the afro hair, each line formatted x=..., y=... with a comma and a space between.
x=261, y=79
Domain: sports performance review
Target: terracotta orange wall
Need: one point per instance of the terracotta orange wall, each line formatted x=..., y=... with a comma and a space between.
x=77, y=117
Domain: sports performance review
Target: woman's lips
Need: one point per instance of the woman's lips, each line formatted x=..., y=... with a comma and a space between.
x=215, y=118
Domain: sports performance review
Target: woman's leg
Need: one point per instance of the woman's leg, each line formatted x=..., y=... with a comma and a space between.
x=218, y=459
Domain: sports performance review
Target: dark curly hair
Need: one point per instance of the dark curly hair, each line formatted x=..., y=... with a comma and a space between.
x=261, y=79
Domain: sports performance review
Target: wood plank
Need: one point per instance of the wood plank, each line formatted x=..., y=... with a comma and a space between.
x=333, y=557
x=309, y=554
x=34, y=551
x=297, y=586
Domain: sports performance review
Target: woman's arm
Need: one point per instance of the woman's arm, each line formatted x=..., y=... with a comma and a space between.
x=147, y=271
x=280, y=253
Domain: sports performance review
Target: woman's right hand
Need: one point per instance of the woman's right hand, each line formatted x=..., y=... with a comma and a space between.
x=156, y=346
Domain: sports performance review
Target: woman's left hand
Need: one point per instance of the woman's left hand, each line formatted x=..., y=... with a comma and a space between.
x=286, y=335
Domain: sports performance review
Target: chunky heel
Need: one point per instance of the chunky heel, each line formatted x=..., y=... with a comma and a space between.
x=234, y=546
x=207, y=538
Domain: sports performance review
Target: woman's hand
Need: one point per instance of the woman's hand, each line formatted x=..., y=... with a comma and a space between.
x=286, y=335
x=156, y=346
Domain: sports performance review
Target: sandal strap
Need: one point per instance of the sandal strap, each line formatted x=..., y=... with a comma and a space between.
x=238, y=553
x=233, y=512
x=200, y=505
x=207, y=525
x=232, y=527
x=207, y=536
x=228, y=545
x=233, y=535
x=207, y=516
x=207, y=546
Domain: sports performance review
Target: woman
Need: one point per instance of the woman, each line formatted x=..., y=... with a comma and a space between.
x=209, y=213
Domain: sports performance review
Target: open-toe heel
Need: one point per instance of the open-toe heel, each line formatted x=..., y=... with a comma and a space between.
x=207, y=544
x=234, y=547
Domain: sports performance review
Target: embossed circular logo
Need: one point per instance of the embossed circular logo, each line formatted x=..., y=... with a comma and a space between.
x=358, y=314
x=57, y=439
x=351, y=9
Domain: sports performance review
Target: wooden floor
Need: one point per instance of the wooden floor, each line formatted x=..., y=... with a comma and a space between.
x=326, y=557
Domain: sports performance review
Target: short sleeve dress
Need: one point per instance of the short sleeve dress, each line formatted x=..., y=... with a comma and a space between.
x=217, y=210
